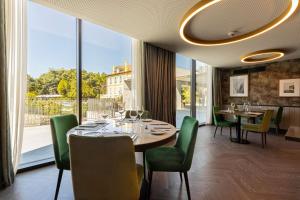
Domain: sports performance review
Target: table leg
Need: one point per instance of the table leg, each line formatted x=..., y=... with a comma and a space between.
x=238, y=131
x=238, y=138
x=144, y=164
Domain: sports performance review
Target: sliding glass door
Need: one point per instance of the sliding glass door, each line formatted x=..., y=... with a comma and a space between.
x=192, y=87
x=106, y=71
x=183, y=88
x=201, y=91
x=51, y=78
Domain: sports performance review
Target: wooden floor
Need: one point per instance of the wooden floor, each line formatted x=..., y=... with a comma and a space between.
x=221, y=170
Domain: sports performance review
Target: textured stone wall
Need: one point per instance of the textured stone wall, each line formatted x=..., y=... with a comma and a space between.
x=264, y=86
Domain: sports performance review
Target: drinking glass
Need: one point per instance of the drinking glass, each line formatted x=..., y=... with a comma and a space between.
x=141, y=112
x=121, y=110
x=232, y=106
x=133, y=114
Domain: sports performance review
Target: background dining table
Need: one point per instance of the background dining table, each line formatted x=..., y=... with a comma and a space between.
x=239, y=114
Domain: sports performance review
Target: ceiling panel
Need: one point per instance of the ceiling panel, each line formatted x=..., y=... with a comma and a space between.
x=157, y=21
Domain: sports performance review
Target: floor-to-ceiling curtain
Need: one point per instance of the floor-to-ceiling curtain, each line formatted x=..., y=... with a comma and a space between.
x=6, y=168
x=138, y=99
x=160, y=83
x=209, y=95
x=217, y=88
x=16, y=44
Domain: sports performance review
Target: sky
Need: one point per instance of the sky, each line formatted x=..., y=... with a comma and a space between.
x=52, y=43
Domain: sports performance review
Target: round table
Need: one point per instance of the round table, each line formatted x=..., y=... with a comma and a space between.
x=143, y=129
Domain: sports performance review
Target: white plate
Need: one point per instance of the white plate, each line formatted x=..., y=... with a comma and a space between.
x=157, y=132
x=146, y=120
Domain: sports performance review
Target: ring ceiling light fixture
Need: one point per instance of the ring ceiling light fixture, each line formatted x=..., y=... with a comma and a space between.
x=202, y=5
x=262, y=56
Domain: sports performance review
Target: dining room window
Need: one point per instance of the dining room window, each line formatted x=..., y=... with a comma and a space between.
x=202, y=91
x=51, y=78
x=183, y=88
x=106, y=71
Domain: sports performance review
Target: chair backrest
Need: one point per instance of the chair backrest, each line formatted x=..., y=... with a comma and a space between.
x=187, y=139
x=146, y=114
x=103, y=168
x=265, y=125
x=278, y=117
x=217, y=118
x=60, y=125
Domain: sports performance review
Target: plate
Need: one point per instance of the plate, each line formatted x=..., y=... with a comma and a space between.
x=146, y=120
x=100, y=122
x=88, y=126
x=157, y=132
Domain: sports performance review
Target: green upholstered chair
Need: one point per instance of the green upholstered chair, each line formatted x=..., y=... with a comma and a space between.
x=275, y=123
x=104, y=168
x=261, y=128
x=60, y=125
x=146, y=114
x=219, y=121
x=177, y=158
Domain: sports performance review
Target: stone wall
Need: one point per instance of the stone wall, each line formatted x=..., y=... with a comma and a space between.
x=264, y=86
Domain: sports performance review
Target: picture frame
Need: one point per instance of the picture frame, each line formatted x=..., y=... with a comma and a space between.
x=239, y=86
x=289, y=87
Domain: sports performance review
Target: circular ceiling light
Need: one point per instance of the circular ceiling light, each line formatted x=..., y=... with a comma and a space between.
x=200, y=6
x=262, y=56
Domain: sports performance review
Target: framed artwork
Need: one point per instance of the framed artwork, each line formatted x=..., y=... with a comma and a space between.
x=289, y=88
x=239, y=86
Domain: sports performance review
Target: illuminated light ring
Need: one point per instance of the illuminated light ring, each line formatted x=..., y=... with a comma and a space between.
x=274, y=54
x=200, y=6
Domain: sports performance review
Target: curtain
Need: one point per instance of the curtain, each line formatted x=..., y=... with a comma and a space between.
x=6, y=168
x=209, y=95
x=138, y=74
x=217, y=87
x=160, y=83
x=15, y=21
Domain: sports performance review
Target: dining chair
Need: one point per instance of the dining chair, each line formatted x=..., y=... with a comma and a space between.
x=60, y=125
x=220, y=122
x=275, y=122
x=104, y=168
x=146, y=114
x=261, y=128
x=177, y=158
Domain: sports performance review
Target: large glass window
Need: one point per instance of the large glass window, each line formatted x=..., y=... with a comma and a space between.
x=51, y=77
x=106, y=74
x=183, y=88
x=201, y=91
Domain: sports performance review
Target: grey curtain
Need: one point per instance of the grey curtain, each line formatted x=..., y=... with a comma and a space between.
x=6, y=168
x=217, y=87
x=160, y=83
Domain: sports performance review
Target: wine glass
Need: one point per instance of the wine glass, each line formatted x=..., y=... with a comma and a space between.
x=133, y=114
x=141, y=112
x=258, y=106
x=244, y=106
x=232, y=106
x=104, y=114
x=121, y=110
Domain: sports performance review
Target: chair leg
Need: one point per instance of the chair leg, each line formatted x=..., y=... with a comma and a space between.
x=180, y=174
x=265, y=138
x=230, y=132
x=246, y=135
x=60, y=173
x=150, y=173
x=221, y=129
x=262, y=140
x=186, y=179
x=215, y=131
x=277, y=129
x=242, y=134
